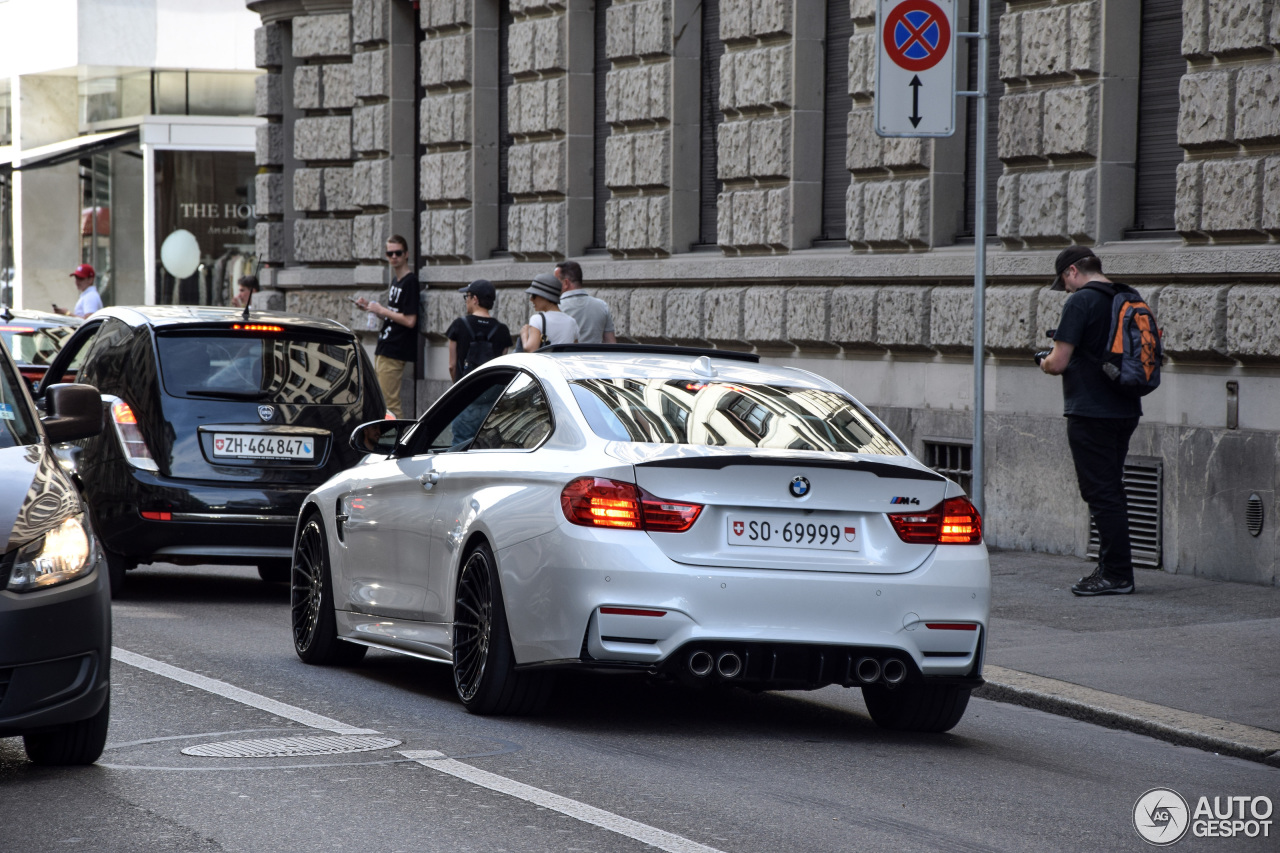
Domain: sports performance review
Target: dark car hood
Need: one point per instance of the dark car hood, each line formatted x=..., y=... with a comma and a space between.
x=35, y=494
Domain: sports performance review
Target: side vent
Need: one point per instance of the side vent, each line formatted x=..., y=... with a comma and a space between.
x=1144, y=490
x=1253, y=515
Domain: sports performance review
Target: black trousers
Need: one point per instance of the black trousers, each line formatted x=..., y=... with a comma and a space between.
x=1099, y=447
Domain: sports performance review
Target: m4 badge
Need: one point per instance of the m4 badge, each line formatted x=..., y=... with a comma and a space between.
x=911, y=501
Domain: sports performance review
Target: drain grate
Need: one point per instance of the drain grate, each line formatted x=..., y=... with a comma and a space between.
x=282, y=747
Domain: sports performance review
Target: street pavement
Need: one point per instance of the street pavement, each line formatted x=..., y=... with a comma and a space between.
x=1184, y=659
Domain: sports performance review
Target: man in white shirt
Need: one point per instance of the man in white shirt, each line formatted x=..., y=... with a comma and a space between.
x=595, y=323
x=89, y=300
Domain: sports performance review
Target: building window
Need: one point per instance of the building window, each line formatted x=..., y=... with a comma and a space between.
x=6, y=114
x=835, y=172
x=95, y=221
x=712, y=51
x=995, y=89
x=602, y=65
x=951, y=459
x=1158, y=151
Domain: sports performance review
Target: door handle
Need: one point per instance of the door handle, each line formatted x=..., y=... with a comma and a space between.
x=429, y=479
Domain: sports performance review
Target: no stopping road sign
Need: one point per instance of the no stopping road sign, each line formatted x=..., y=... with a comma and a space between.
x=915, y=68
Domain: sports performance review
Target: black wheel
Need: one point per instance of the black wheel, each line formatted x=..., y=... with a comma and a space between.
x=484, y=673
x=117, y=565
x=75, y=743
x=315, y=631
x=916, y=707
x=275, y=571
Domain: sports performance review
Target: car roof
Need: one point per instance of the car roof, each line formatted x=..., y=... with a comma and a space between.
x=24, y=317
x=648, y=362
x=168, y=316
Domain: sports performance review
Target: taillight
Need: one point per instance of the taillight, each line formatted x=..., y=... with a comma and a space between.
x=601, y=502
x=131, y=441
x=955, y=521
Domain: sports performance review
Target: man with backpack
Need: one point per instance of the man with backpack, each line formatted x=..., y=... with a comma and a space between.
x=1107, y=350
x=476, y=337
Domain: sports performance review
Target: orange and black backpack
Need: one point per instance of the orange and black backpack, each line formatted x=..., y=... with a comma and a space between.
x=1134, y=349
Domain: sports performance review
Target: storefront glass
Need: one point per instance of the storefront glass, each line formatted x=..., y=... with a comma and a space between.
x=210, y=196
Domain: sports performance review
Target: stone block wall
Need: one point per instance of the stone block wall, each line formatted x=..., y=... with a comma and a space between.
x=1229, y=121
x=651, y=166
x=769, y=147
x=271, y=53
x=1067, y=130
x=550, y=115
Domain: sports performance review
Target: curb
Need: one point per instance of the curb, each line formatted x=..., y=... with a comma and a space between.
x=1120, y=712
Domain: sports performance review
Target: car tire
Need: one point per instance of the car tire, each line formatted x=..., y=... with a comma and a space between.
x=315, y=627
x=916, y=707
x=80, y=742
x=275, y=571
x=484, y=673
x=117, y=565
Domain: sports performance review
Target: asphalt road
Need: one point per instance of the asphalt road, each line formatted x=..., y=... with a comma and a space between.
x=616, y=765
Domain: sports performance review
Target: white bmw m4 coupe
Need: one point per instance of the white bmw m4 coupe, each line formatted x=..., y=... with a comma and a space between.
x=673, y=512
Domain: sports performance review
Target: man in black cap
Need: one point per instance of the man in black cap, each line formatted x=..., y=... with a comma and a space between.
x=476, y=337
x=1101, y=416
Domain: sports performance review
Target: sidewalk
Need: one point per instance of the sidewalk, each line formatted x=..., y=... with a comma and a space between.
x=1184, y=659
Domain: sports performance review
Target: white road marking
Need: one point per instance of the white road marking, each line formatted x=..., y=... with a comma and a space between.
x=230, y=691
x=581, y=811
x=642, y=832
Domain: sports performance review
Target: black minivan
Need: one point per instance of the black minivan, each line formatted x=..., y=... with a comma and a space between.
x=218, y=424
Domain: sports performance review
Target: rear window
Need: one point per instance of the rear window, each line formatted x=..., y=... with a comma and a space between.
x=35, y=344
x=268, y=367
x=729, y=414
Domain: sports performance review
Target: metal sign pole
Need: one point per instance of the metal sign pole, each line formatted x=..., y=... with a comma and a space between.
x=980, y=33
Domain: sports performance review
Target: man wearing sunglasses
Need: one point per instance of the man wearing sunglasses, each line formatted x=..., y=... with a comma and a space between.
x=398, y=339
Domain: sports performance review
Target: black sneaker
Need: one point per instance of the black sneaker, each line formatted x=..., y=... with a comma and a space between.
x=1100, y=584
x=1097, y=573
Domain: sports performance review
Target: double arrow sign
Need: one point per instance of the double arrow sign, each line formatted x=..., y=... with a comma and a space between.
x=915, y=68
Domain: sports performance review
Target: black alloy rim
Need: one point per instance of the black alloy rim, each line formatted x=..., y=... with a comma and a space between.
x=307, y=585
x=472, y=625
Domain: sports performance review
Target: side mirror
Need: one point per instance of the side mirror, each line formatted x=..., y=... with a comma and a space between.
x=380, y=437
x=75, y=412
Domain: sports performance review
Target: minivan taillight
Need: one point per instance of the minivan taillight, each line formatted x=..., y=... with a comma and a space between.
x=601, y=502
x=132, y=443
x=955, y=521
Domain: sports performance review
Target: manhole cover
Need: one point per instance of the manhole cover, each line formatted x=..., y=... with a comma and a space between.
x=280, y=747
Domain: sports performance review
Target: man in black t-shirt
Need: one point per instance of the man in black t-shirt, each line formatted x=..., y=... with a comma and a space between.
x=476, y=337
x=398, y=338
x=1101, y=416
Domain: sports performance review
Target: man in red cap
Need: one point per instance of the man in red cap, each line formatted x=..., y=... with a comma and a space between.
x=89, y=300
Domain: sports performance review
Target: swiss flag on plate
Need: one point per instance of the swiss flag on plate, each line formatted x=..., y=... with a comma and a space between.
x=849, y=533
x=218, y=443
x=738, y=527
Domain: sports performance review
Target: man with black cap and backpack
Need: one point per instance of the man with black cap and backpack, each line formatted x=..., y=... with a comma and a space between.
x=1101, y=412
x=476, y=337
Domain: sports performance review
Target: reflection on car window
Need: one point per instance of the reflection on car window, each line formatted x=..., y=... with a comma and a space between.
x=16, y=425
x=268, y=369
x=520, y=420
x=452, y=423
x=693, y=411
x=35, y=344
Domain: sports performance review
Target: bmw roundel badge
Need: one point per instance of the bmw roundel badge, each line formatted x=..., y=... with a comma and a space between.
x=799, y=486
x=266, y=412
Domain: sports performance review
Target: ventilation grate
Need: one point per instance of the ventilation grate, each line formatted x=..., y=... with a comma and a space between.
x=1143, y=489
x=953, y=460
x=1253, y=515
x=283, y=747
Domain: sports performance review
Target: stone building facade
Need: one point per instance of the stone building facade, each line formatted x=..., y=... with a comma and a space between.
x=681, y=151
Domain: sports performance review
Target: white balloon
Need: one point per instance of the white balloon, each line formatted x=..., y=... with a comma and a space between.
x=180, y=253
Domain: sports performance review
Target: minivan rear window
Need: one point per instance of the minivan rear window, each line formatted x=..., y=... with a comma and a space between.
x=729, y=414
x=266, y=367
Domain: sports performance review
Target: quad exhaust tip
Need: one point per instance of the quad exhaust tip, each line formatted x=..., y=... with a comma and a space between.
x=701, y=663
x=894, y=671
x=729, y=665
x=868, y=670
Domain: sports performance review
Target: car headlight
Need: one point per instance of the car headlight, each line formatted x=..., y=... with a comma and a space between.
x=63, y=554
